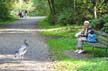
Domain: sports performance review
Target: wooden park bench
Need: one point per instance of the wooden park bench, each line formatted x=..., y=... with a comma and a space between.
x=102, y=42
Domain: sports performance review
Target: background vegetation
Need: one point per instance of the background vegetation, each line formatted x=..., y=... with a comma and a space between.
x=5, y=8
x=76, y=11
x=59, y=12
x=65, y=18
x=10, y=8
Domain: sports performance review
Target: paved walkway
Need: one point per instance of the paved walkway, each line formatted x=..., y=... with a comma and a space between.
x=37, y=57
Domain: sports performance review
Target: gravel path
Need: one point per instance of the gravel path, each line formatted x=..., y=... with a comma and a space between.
x=37, y=57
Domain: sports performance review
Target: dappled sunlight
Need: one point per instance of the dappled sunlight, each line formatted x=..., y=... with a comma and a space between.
x=13, y=30
x=83, y=65
x=61, y=31
x=6, y=56
x=9, y=62
x=70, y=65
x=63, y=28
x=26, y=66
x=36, y=17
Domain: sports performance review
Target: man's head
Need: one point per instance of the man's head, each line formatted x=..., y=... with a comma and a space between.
x=86, y=24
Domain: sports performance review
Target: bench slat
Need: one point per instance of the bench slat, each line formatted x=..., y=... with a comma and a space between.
x=102, y=33
x=102, y=40
x=98, y=45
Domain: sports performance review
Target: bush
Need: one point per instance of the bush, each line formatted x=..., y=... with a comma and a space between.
x=52, y=19
x=66, y=17
x=97, y=23
x=5, y=8
x=101, y=23
x=105, y=28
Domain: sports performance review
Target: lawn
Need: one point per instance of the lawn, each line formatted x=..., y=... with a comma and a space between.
x=5, y=21
x=67, y=41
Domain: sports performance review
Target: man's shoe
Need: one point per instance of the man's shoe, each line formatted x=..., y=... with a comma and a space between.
x=80, y=51
x=76, y=51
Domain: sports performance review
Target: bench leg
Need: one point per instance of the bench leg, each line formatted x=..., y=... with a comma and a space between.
x=93, y=51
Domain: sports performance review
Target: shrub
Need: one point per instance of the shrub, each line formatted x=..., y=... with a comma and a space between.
x=105, y=28
x=101, y=23
x=97, y=23
x=52, y=19
x=5, y=8
x=67, y=16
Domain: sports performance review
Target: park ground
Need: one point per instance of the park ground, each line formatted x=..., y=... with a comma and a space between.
x=62, y=46
x=51, y=48
x=12, y=36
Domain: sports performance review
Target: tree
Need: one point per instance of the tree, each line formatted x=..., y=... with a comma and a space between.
x=94, y=2
x=23, y=5
x=41, y=7
x=52, y=7
x=5, y=8
x=76, y=11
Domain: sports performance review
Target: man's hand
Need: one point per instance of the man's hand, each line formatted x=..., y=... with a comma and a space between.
x=81, y=35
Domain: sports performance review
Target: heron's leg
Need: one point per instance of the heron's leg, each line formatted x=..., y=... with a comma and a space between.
x=16, y=55
x=22, y=57
x=19, y=56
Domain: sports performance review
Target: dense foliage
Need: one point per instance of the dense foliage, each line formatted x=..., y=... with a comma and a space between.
x=10, y=8
x=41, y=7
x=76, y=11
x=5, y=8
x=101, y=23
x=59, y=12
x=34, y=7
x=22, y=5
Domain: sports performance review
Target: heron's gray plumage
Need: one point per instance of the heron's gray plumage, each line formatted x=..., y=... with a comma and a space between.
x=22, y=50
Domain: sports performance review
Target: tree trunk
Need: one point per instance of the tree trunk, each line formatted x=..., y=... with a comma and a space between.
x=53, y=7
x=95, y=12
x=49, y=2
x=53, y=13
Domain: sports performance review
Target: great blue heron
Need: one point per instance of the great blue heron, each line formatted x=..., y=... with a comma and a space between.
x=22, y=50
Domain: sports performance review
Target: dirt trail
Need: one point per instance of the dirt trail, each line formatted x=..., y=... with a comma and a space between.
x=37, y=57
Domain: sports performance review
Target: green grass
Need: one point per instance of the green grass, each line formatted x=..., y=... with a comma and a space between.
x=58, y=30
x=67, y=41
x=45, y=25
x=6, y=21
x=3, y=23
x=65, y=63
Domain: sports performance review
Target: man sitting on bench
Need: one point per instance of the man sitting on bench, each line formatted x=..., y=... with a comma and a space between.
x=82, y=36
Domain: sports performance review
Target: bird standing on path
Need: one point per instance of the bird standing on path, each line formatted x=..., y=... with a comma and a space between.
x=22, y=50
